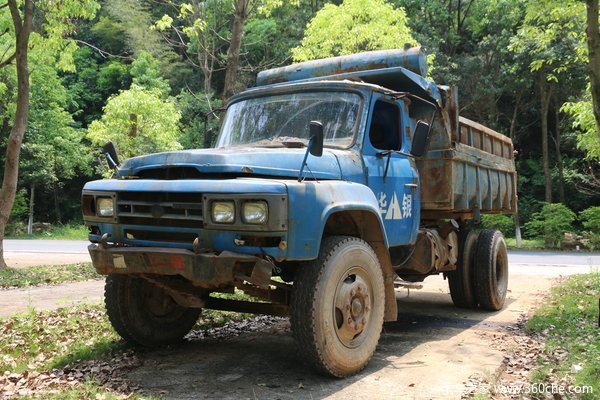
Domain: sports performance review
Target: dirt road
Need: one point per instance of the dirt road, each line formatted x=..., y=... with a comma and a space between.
x=432, y=352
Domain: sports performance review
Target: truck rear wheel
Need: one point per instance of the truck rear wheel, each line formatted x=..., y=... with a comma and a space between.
x=460, y=280
x=145, y=314
x=337, y=306
x=491, y=270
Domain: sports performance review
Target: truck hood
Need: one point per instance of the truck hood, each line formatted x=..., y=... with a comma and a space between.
x=238, y=161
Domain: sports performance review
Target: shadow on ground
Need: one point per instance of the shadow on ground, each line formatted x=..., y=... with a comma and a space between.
x=266, y=365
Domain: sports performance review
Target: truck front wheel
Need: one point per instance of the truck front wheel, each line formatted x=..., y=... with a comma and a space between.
x=491, y=270
x=145, y=314
x=337, y=306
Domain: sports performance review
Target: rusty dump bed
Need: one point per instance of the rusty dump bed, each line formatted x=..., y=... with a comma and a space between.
x=468, y=172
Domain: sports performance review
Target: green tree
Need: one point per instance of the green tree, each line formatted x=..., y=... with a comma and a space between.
x=352, y=27
x=138, y=121
x=593, y=42
x=552, y=36
x=52, y=31
x=52, y=151
x=588, y=138
x=551, y=223
x=590, y=219
x=145, y=71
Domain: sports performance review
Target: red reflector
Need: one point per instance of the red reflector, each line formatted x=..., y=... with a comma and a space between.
x=177, y=263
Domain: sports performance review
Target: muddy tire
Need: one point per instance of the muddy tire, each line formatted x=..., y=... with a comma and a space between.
x=491, y=270
x=460, y=280
x=145, y=314
x=337, y=306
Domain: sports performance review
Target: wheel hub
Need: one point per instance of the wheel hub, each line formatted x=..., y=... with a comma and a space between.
x=352, y=308
x=357, y=307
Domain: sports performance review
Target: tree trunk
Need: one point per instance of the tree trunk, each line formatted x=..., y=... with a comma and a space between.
x=240, y=15
x=511, y=134
x=517, y=221
x=31, y=203
x=545, y=95
x=205, y=54
x=559, y=161
x=13, y=148
x=57, y=205
x=593, y=40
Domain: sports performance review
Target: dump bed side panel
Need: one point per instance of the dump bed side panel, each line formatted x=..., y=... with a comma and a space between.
x=468, y=172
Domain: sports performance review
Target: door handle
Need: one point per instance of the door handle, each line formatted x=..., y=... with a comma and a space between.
x=411, y=185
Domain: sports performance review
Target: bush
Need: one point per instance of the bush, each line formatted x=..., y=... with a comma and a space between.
x=551, y=223
x=503, y=223
x=591, y=240
x=590, y=218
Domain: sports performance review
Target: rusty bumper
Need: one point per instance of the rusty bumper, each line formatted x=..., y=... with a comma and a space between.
x=209, y=271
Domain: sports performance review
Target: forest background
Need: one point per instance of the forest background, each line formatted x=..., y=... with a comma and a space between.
x=147, y=75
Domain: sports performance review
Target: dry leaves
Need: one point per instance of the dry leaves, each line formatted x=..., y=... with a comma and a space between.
x=105, y=373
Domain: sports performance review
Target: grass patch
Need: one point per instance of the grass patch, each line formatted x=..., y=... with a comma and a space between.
x=35, y=343
x=87, y=390
x=570, y=323
x=46, y=340
x=58, y=232
x=525, y=243
x=47, y=274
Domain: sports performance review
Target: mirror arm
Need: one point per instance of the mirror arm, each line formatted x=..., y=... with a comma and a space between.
x=301, y=174
x=111, y=163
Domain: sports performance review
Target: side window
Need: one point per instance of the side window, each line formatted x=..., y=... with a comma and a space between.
x=384, y=132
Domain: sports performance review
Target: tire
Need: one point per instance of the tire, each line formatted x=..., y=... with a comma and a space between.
x=337, y=307
x=145, y=314
x=491, y=270
x=460, y=281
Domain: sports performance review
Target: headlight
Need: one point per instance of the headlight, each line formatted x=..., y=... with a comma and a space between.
x=223, y=212
x=105, y=207
x=255, y=212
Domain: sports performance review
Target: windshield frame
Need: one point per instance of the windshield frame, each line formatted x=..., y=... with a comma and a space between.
x=291, y=91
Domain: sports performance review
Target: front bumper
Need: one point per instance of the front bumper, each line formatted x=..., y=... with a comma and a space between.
x=206, y=270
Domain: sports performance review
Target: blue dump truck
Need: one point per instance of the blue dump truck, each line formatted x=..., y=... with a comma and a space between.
x=331, y=182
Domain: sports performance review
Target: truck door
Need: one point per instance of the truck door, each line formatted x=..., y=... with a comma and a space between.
x=392, y=172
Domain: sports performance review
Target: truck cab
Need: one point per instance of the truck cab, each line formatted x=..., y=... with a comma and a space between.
x=312, y=202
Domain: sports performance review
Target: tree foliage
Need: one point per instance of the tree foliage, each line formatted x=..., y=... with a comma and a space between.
x=352, y=27
x=138, y=121
x=551, y=223
x=588, y=138
x=590, y=218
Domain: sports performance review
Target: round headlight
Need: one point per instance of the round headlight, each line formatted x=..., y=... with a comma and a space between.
x=105, y=207
x=223, y=212
x=255, y=212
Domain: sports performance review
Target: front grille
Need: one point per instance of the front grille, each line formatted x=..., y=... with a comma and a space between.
x=160, y=209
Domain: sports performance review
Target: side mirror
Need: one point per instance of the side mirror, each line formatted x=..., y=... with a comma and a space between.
x=419, y=140
x=315, y=144
x=110, y=153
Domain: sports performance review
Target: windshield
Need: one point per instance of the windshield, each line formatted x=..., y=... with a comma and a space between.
x=283, y=120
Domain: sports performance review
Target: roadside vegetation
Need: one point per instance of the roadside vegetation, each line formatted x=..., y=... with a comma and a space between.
x=554, y=226
x=46, y=274
x=570, y=323
x=75, y=231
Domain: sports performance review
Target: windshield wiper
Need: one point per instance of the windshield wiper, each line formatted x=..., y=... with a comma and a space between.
x=290, y=142
x=293, y=144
